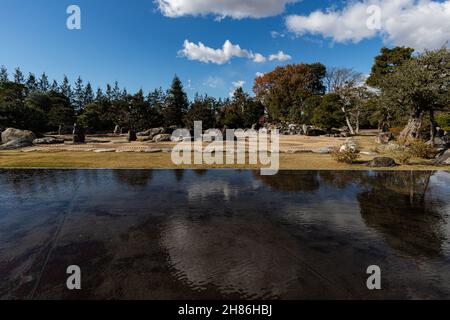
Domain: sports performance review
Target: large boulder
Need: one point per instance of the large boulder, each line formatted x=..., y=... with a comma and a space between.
x=382, y=162
x=384, y=137
x=442, y=143
x=12, y=134
x=349, y=145
x=131, y=136
x=443, y=159
x=79, y=135
x=48, y=140
x=16, y=144
x=162, y=137
x=314, y=132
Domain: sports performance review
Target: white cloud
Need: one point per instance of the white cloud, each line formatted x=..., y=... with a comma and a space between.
x=415, y=23
x=280, y=56
x=236, y=9
x=276, y=34
x=236, y=85
x=202, y=53
x=214, y=82
x=259, y=74
x=259, y=58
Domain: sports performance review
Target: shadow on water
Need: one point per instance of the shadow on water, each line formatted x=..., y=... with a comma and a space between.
x=182, y=234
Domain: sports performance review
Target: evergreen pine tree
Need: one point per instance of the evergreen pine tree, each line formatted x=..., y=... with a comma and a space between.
x=99, y=95
x=176, y=104
x=3, y=74
x=31, y=83
x=43, y=83
x=78, y=96
x=116, y=93
x=54, y=86
x=88, y=94
x=66, y=89
x=18, y=76
x=108, y=92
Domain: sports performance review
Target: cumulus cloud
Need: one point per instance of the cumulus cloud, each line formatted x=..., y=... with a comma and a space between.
x=259, y=74
x=236, y=9
x=415, y=23
x=280, y=56
x=236, y=85
x=202, y=53
x=259, y=58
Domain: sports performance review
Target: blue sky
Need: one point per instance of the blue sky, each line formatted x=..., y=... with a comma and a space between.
x=138, y=45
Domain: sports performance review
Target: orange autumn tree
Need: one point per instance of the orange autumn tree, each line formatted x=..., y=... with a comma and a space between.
x=284, y=90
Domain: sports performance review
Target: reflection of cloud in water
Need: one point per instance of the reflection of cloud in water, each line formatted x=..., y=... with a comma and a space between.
x=204, y=189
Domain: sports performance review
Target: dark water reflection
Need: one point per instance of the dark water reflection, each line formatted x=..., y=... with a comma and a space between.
x=224, y=234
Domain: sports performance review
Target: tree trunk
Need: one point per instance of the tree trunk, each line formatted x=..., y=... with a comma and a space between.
x=432, y=128
x=358, y=114
x=412, y=129
x=347, y=120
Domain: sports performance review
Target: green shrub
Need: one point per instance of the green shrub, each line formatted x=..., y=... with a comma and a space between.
x=443, y=121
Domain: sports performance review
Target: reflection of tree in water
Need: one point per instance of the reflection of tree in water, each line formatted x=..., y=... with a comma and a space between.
x=200, y=172
x=342, y=179
x=44, y=181
x=179, y=175
x=291, y=181
x=395, y=204
x=133, y=178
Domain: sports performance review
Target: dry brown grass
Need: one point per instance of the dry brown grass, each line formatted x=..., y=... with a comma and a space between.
x=73, y=159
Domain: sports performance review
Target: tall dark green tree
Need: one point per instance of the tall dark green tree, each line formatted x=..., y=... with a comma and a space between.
x=18, y=76
x=328, y=114
x=99, y=95
x=3, y=74
x=43, y=85
x=54, y=86
x=88, y=95
x=387, y=62
x=78, y=96
x=116, y=92
x=31, y=83
x=176, y=104
x=202, y=109
x=108, y=93
x=65, y=88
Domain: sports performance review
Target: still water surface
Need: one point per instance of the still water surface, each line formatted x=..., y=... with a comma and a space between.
x=224, y=234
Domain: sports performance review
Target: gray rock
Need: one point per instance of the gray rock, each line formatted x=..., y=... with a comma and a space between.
x=442, y=143
x=131, y=136
x=314, y=132
x=350, y=144
x=384, y=137
x=78, y=134
x=16, y=144
x=12, y=134
x=48, y=140
x=443, y=159
x=325, y=150
x=154, y=132
x=104, y=150
x=162, y=137
x=382, y=162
